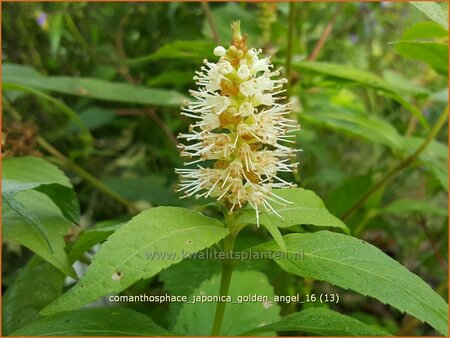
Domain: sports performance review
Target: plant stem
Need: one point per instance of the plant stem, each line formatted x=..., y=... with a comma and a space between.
x=325, y=34
x=400, y=166
x=92, y=180
x=209, y=18
x=227, y=271
x=289, y=45
x=288, y=65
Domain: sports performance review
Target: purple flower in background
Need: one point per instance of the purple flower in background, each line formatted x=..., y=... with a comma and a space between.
x=42, y=19
x=354, y=38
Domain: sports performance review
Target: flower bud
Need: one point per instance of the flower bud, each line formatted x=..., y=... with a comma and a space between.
x=219, y=51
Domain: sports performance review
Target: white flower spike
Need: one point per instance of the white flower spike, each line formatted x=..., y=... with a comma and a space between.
x=241, y=131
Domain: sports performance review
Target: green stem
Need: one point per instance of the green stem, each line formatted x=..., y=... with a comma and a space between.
x=227, y=271
x=289, y=45
x=93, y=181
x=400, y=166
x=289, y=52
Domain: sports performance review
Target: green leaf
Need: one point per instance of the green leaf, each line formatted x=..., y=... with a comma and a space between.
x=40, y=224
x=408, y=206
x=95, y=117
x=28, y=215
x=351, y=74
x=89, y=238
x=112, y=321
x=30, y=169
x=432, y=10
x=184, y=278
x=194, y=50
x=95, y=89
x=196, y=319
x=366, y=79
x=354, y=264
x=403, y=84
x=433, y=54
x=305, y=207
x=125, y=257
x=19, y=70
x=24, y=173
x=365, y=126
x=424, y=30
x=17, y=228
x=64, y=197
x=322, y=322
x=12, y=187
x=35, y=287
x=275, y=232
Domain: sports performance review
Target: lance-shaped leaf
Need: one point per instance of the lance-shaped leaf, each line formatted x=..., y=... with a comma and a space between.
x=364, y=126
x=150, y=242
x=30, y=169
x=29, y=172
x=90, y=238
x=92, y=88
x=303, y=207
x=63, y=196
x=434, y=54
x=433, y=10
x=322, y=322
x=352, y=76
x=24, y=231
x=113, y=321
x=353, y=264
x=11, y=203
x=21, y=302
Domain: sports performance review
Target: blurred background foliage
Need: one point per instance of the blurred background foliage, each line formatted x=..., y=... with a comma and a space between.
x=102, y=85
